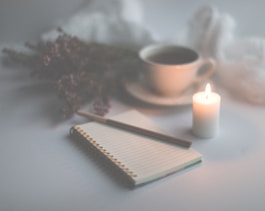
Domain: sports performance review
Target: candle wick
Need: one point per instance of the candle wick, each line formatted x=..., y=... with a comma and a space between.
x=207, y=91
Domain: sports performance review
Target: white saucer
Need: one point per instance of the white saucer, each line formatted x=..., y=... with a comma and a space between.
x=140, y=92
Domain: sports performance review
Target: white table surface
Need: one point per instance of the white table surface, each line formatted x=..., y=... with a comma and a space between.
x=43, y=170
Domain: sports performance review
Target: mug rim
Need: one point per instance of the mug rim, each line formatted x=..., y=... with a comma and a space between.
x=148, y=48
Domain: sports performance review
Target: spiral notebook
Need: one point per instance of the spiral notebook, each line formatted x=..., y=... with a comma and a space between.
x=139, y=158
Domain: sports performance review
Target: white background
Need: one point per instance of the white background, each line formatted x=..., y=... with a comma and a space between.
x=22, y=20
x=41, y=169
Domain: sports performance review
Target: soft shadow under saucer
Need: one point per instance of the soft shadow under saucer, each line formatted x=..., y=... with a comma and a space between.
x=142, y=93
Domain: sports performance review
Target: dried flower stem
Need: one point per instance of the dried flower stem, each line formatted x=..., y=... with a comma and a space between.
x=81, y=72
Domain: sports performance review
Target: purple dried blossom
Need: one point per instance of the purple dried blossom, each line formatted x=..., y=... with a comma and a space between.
x=81, y=72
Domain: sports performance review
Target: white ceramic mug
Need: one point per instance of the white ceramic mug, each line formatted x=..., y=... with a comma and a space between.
x=172, y=69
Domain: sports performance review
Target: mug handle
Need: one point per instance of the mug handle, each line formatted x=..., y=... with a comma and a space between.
x=207, y=73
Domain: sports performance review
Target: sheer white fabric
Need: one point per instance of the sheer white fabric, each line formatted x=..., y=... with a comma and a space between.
x=240, y=61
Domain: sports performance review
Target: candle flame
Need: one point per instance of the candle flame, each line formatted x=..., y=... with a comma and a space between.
x=207, y=90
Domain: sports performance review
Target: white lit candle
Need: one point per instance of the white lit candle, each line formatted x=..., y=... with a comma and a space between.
x=206, y=109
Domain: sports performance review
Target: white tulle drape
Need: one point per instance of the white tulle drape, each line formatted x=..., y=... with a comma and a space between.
x=240, y=60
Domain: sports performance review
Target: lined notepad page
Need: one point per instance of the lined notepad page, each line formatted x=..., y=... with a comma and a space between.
x=146, y=158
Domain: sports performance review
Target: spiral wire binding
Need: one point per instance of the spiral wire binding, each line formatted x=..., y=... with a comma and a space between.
x=103, y=151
